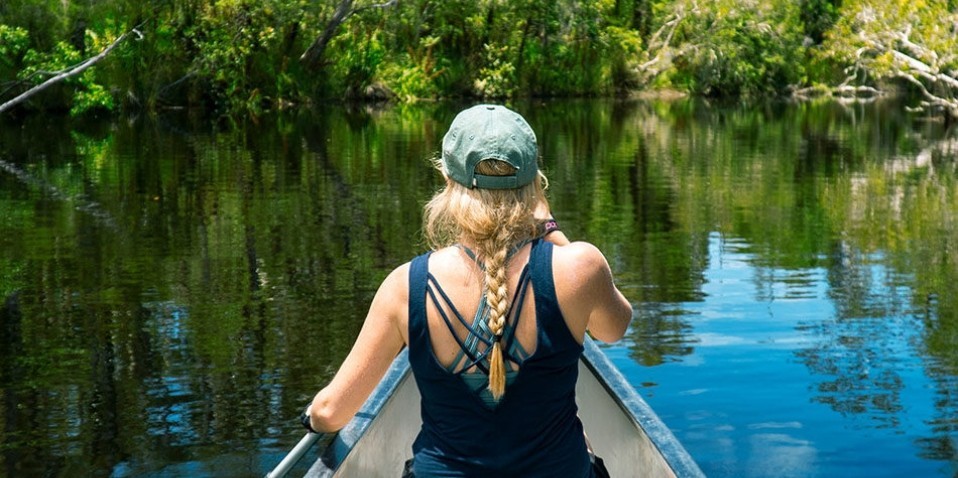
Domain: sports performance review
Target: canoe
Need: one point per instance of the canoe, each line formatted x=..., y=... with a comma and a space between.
x=621, y=427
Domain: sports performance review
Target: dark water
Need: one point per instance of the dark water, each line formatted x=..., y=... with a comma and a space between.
x=174, y=291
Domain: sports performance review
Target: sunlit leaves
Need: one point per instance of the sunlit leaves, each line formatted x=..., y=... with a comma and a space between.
x=496, y=79
x=243, y=55
x=89, y=93
x=868, y=33
x=13, y=43
x=729, y=48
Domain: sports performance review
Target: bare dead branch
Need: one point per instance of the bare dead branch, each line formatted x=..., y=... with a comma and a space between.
x=662, y=49
x=931, y=99
x=916, y=64
x=376, y=6
x=69, y=72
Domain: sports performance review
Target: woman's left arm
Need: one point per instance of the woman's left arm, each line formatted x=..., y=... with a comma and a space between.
x=380, y=340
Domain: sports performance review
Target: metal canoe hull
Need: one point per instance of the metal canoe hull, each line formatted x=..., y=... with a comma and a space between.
x=621, y=427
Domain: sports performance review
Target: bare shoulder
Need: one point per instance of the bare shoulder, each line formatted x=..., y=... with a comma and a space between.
x=579, y=260
x=396, y=284
x=398, y=275
x=578, y=270
x=393, y=294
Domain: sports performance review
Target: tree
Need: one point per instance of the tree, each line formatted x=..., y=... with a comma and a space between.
x=818, y=16
x=727, y=47
x=880, y=45
x=313, y=56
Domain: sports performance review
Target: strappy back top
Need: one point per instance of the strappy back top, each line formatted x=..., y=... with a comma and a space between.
x=471, y=363
x=533, y=430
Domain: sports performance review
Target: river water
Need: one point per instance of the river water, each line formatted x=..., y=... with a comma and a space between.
x=173, y=289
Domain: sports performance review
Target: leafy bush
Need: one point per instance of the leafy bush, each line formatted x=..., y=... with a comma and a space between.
x=497, y=77
x=357, y=65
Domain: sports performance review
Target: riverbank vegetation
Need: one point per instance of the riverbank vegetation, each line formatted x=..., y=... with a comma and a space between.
x=232, y=56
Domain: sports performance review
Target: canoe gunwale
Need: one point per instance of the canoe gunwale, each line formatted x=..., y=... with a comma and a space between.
x=344, y=441
x=626, y=396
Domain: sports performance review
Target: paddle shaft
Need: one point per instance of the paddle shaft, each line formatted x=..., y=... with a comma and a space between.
x=293, y=456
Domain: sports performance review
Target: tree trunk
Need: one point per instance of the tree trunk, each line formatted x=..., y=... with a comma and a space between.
x=313, y=56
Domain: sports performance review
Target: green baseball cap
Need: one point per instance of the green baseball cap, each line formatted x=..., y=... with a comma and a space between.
x=490, y=132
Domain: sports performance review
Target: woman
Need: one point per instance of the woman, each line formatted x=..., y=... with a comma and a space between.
x=494, y=317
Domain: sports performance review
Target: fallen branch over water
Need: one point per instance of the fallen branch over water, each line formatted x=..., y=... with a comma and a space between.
x=68, y=72
x=863, y=93
x=894, y=55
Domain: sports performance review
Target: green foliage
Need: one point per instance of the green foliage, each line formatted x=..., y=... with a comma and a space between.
x=861, y=45
x=45, y=20
x=63, y=56
x=13, y=44
x=243, y=55
x=229, y=35
x=409, y=80
x=88, y=94
x=732, y=48
x=818, y=16
x=92, y=96
x=356, y=67
x=497, y=77
x=414, y=74
x=572, y=49
x=624, y=47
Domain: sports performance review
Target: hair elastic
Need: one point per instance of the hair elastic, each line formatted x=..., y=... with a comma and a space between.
x=548, y=226
x=304, y=419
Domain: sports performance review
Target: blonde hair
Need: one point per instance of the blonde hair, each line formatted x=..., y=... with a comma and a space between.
x=495, y=221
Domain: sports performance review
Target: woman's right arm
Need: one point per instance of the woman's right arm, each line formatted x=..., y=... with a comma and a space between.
x=587, y=295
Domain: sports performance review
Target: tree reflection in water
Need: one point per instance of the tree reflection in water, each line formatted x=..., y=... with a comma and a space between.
x=183, y=335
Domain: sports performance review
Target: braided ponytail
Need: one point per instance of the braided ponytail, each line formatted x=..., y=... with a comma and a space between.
x=497, y=296
x=495, y=221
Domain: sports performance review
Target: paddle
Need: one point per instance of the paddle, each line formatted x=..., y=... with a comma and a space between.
x=294, y=455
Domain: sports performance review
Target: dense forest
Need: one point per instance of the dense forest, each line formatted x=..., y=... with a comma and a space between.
x=248, y=56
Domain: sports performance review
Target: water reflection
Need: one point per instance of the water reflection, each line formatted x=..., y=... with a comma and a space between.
x=173, y=290
x=834, y=239
x=659, y=334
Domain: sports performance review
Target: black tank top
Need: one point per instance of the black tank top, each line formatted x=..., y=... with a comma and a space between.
x=533, y=431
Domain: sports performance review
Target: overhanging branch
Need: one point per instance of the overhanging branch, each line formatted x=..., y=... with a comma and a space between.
x=69, y=72
x=915, y=63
